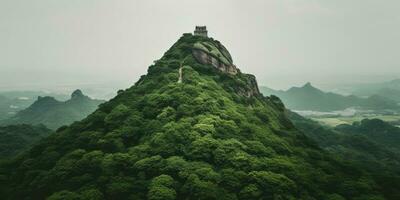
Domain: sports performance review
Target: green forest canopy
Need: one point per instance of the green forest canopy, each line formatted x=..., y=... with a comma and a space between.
x=198, y=139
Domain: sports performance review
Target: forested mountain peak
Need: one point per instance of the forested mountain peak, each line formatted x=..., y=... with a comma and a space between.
x=308, y=85
x=193, y=127
x=307, y=89
x=77, y=94
x=209, y=56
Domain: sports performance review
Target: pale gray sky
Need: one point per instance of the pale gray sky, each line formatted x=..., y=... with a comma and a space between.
x=47, y=43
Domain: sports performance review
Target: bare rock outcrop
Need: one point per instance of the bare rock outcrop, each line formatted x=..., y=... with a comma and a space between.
x=215, y=54
x=208, y=59
x=251, y=89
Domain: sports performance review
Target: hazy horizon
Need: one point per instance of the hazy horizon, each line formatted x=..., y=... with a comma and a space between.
x=65, y=44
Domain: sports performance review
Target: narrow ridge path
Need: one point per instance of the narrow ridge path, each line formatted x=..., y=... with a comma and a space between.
x=180, y=74
x=181, y=70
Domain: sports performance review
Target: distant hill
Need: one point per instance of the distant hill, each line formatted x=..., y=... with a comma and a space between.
x=17, y=138
x=308, y=97
x=53, y=113
x=13, y=101
x=389, y=89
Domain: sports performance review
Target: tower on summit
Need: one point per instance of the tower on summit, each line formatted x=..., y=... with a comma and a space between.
x=201, y=31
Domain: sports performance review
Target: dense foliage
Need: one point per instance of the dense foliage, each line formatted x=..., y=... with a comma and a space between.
x=372, y=145
x=198, y=139
x=53, y=113
x=17, y=138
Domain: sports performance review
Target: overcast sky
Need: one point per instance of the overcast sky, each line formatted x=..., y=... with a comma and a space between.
x=46, y=43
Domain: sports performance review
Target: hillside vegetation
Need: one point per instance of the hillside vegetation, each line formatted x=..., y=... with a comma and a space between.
x=212, y=136
x=15, y=139
x=371, y=144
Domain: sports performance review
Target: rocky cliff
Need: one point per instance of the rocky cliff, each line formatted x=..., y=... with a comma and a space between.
x=212, y=52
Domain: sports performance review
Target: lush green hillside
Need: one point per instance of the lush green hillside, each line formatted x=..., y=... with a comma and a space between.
x=377, y=130
x=372, y=145
x=53, y=113
x=209, y=136
x=17, y=138
x=310, y=98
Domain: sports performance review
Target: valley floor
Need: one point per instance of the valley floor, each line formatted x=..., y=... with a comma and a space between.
x=337, y=120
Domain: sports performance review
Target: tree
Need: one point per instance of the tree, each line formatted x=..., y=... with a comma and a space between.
x=64, y=195
x=161, y=188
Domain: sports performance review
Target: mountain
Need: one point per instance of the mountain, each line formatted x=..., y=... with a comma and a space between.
x=13, y=101
x=308, y=97
x=53, y=113
x=194, y=127
x=17, y=138
x=371, y=144
x=388, y=89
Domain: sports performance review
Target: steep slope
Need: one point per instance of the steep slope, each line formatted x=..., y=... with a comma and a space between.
x=53, y=113
x=211, y=135
x=17, y=138
x=308, y=97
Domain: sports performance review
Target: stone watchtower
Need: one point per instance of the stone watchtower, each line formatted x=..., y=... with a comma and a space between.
x=201, y=31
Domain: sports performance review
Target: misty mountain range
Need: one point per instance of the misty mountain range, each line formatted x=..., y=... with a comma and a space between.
x=388, y=89
x=309, y=97
x=54, y=113
x=13, y=101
